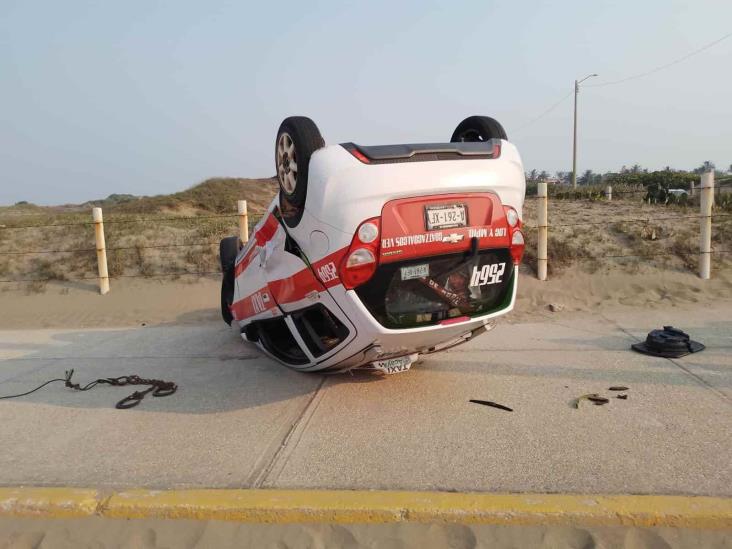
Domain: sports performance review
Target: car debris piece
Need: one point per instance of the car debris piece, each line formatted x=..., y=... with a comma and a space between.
x=492, y=404
x=372, y=256
x=622, y=397
x=592, y=397
x=617, y=388
x=669, y=342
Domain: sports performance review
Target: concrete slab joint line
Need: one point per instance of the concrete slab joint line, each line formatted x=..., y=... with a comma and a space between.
x=266, y=469
x=297, y=506
x=279, y=461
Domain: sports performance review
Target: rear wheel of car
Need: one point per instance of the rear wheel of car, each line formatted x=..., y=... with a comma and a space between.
x=478, y=128
x=228, y=250
x=297, y=139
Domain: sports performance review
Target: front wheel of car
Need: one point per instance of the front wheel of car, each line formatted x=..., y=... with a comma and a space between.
x=297, y=139
x=228, y=250
x=478, y=128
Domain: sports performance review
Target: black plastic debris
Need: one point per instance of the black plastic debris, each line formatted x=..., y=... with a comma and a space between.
x=591, y=397
x=492, y=404
x=668, y=343
x=617, y=388
x=622, y=397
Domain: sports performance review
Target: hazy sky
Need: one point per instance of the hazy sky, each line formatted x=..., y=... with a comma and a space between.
x=150, y=97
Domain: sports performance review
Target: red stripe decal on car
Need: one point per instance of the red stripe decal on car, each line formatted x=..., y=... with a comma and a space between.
x=254, y=304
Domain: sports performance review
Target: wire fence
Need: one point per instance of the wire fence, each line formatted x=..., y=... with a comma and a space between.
x=152, y=221
x=112, y=248
x=563, y=191
x=60, y=271
x=95, y=277
x=117, y=221
x=642, y=256
x=645, y=220
x=713, y=232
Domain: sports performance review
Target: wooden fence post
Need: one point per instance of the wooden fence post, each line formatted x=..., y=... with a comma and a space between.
x=705, y=215
x=543, y=231
x=691, y=189
x=609, y=193
x=243, y=220
x=101, y=250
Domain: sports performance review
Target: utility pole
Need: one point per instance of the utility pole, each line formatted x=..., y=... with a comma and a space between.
x=574, y=141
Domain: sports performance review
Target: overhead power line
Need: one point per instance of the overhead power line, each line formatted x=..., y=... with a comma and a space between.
x=627, y=79
x=544, y=113
x=661, y=67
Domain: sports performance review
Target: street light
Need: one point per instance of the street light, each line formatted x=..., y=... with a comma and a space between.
x=574, y=145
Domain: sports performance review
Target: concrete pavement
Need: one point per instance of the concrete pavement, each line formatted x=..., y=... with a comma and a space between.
x=242, y=421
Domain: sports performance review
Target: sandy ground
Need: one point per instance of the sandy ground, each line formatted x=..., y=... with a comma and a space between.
x=189, y=300
x=157, y=534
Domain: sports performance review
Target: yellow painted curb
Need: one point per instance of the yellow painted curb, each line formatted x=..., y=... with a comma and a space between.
x=387, y=506
x=48, y=502
x=341, y=506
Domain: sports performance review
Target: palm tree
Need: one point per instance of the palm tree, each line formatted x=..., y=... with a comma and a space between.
x=586, y=178
x=707, y=166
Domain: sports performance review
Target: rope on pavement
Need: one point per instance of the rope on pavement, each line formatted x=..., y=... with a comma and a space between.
x=157, y=387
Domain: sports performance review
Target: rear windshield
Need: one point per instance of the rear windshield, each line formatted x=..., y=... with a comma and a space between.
x=426, y=291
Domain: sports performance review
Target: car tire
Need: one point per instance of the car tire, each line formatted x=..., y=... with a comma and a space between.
x=478, y=128
x=228, y=250
x=297, y=139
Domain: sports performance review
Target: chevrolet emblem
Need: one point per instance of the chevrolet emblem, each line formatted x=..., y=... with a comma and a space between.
x=453, y=238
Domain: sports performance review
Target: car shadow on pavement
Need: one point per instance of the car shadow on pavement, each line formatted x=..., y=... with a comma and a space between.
x=214, y=370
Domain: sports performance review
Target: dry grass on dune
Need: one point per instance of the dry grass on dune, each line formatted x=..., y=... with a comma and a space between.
x=218, y=195
x=156, y=239
x=625, y=233
x=158, y=235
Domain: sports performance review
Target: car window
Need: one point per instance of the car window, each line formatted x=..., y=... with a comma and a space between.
x=319, y=328
x=277, y=339
x=421, y=292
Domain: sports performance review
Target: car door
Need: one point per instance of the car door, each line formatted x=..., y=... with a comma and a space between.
x=252, y=298
x=317, y=323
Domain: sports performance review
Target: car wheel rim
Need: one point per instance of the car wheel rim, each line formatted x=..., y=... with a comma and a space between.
x=286, y=163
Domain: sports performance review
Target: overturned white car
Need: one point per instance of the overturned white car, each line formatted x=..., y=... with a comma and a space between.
x=370, y=256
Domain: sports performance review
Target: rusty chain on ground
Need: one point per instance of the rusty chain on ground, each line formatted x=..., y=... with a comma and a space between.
x=158, y=387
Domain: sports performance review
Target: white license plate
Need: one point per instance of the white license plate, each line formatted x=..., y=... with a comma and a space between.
x=394, y=365
x=445, y=217
x=415, y=271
